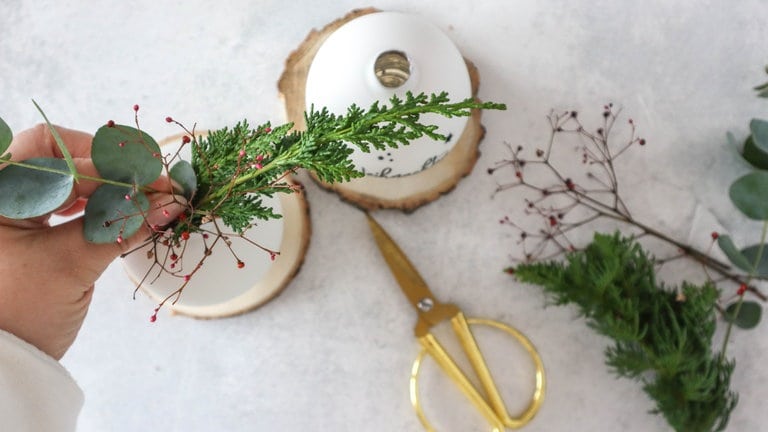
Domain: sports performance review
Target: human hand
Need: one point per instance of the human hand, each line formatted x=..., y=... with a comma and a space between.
x=48, y=273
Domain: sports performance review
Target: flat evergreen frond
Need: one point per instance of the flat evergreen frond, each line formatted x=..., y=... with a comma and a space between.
x=233, y=165
x=658, y=339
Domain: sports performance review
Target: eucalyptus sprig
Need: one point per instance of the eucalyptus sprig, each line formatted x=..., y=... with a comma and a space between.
x=222, y=188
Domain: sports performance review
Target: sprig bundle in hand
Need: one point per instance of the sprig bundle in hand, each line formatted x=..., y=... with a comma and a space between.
x=222, y=188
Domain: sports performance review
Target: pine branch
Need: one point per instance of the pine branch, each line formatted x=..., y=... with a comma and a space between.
x=659, y=338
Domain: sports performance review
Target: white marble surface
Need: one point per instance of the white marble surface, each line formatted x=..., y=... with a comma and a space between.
x=333, y=352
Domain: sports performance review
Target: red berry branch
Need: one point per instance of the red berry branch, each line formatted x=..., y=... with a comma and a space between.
x=566, y=196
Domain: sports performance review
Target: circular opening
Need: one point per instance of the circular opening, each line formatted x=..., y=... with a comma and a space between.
x=392, y=68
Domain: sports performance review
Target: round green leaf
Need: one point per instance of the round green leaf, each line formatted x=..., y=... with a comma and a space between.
x=748, y=317
x=750, y=254
x=750, y=195
x=759, y=130
x=734, y=255
x=6, y=136
x=183, y=173
x=109, y=215
x=30, y=193
x=125, y=154
x=755, y=155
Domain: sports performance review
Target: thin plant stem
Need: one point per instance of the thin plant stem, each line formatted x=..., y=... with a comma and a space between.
x=732, y=319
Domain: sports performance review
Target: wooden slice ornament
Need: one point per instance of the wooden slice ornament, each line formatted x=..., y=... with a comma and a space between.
x=399, y=185
x=221, y=288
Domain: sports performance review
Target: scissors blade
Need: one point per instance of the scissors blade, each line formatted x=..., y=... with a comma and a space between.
x=409, y=279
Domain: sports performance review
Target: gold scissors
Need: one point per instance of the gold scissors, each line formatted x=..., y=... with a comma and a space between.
x=432, y=312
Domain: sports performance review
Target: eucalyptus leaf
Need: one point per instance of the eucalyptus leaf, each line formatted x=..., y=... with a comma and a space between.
x=183, y=173
x=125, y=154
x=762, y=90
x=59, y=142
x=109, y=215
x=750, y=253
x=759, y=130
x=749, y=194
x=30, y=192
x=6, y=136
x=732, y=252
x=753, y=154
x=748, y=317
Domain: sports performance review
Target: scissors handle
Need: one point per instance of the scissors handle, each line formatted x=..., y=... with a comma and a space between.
x=493, y=408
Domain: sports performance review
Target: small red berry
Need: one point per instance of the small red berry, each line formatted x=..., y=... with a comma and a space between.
x=569, y=184
x=205, y=235
x=173, y=265
x=187, y=278
x=174, y=257
x=153, y=318
x=258, y=166
x=552, y=221
x=259, y=158
x=121, y=144
x=642, y=142
x=185, y=235
x=242, y=153
x=240, y=264
x=127, y=197
x=186, y=139
x=272, y=256
x=267, y=130
x=135, y=107
x=111, y=123
x=742, y=289
x=119, y=239
x=169, y=119
x=182, y=217
x=715, y=235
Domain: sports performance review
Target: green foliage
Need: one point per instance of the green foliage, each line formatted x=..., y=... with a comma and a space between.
x=735, y=256
x=39, y=187
x=232, y=164
x=762, y=89
x=756, y=145
x=758, y=258
x=658, y=339
x=749, y=194
x=232, y=169
x=6, y=136
x=114, y=212
x=125, y=154
x=183, y=174
x=745, y=314
x=59, y=142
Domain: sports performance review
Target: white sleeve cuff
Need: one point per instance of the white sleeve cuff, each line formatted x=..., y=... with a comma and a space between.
x=36, y=392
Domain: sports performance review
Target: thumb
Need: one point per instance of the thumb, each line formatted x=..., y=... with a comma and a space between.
x=92, y=259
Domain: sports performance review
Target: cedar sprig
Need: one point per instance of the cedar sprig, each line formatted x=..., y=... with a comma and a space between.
x=660, y=337
x=236, y=166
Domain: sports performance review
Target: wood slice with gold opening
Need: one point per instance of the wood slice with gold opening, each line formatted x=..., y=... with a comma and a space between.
x=369, y=192
x=221, y=289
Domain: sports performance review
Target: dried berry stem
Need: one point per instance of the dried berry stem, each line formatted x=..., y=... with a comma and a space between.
x=565, y=204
